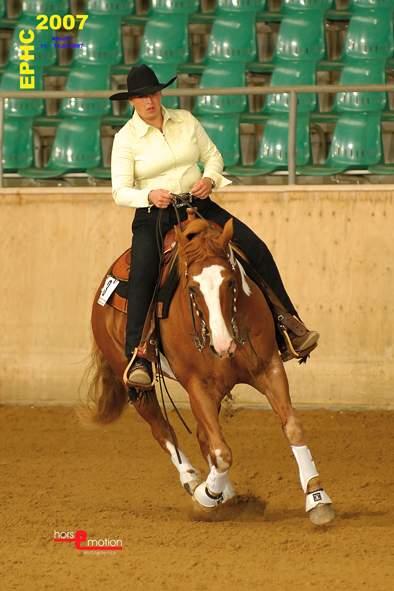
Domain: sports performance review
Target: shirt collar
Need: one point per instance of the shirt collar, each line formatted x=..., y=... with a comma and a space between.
x=141, y=127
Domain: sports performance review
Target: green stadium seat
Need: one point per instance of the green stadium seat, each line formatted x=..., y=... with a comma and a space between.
x=224, y=132
x=165, y=40
x=224, y=6
x=76, y=148
x=26, y=108
x=273, y=150
x=382, y=169
x=174, y=6
x=2, y=8
x=100, y=172
x=355, y=5
x=33, y=7
x=17, y=132
x=364, y=71
x=129, y=110
x=356, y=144
x=292, y=73
x=301, y=5
x=84, y=77
x=233, y=38
x=44, y=51
x=222, y=74
x=370, y=35
x=101, y=42
x=301, y=36
x=112, y=7
x=165, y=72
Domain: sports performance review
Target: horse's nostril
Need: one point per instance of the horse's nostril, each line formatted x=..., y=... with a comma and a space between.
x=213, y=350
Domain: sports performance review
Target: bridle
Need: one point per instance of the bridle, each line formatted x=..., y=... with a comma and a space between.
x=203, y=337
x=201, y=334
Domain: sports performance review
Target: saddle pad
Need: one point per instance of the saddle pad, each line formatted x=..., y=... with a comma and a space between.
x=118, y=299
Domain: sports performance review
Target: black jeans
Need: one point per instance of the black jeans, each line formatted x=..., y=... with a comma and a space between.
x=145, y=260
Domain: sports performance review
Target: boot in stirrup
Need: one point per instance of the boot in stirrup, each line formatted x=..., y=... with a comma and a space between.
x=138, y=373
x=298, y=340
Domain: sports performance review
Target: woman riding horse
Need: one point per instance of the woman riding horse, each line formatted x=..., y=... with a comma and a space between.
x=154, y=155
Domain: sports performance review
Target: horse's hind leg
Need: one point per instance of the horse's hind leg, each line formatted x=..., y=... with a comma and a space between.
x=273, y=383
x=149, y=409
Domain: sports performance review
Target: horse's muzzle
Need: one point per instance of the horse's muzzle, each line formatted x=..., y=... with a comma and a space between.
x=225, y=352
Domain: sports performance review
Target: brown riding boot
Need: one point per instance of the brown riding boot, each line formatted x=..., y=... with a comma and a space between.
x=298, y=340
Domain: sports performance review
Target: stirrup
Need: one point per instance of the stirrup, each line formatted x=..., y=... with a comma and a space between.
x=286, y=322
x=130, y=384
x=295, y=354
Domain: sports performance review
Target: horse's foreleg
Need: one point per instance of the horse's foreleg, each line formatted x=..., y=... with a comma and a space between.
x=228, y=490
x=213, y=446
x=164, y=434
x=273, y=383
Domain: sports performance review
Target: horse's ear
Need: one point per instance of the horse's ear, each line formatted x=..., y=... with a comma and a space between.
x=227, y=233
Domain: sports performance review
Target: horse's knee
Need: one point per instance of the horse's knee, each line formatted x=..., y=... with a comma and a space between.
x=294, y=431
x=222, y=457
x=201, y=435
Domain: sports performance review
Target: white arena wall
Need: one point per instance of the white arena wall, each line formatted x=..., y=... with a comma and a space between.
x=333, y=245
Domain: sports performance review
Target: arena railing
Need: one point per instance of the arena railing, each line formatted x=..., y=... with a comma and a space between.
x=293, y=91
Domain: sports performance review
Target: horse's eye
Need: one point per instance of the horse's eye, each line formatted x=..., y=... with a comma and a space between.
x=232, y=284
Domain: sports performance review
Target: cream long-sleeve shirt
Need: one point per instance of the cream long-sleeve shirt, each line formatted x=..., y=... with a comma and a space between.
x=144, y=158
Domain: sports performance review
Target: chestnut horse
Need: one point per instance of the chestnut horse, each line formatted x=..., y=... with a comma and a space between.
x=219, y=332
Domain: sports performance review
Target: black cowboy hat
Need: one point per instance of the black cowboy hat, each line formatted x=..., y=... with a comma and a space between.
x=141, y=81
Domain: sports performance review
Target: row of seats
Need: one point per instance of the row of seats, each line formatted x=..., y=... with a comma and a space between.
x=128, y=7
x=299, y=67
x=85, y=78
x=232, y=38
x=356, y=144
x=296, y=61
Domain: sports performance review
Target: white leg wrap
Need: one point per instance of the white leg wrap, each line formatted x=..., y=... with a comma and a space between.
x=216, y=480
x=218, y=484
x=306, y=465
x=316, y=498
x=228, y=489
x=187, y=473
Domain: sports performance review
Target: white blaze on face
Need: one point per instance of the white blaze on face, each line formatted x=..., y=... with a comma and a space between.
x=210, y=280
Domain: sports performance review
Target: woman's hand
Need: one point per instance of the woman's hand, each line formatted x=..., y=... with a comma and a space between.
x=160, y=197
x=203, y=188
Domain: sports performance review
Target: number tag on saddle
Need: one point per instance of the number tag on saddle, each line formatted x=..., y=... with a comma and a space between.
x=108, y=289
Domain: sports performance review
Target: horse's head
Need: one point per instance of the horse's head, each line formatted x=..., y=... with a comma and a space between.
x=211, y=278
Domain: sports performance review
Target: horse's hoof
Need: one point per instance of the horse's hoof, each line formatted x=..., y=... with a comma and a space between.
x=322, y=514
x=205, y=498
